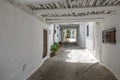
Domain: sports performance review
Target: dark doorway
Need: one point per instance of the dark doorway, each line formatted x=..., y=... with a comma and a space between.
x=44, y=43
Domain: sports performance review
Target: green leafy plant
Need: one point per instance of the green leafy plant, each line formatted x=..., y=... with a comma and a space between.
x=68, y=33
x=54, y=48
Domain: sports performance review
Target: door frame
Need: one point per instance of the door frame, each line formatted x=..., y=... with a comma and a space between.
x=45, y=42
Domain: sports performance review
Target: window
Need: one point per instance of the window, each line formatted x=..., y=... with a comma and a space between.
x=87, y=30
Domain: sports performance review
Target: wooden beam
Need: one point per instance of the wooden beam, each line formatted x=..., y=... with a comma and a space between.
x=79, y=10
x=57, y=5
x=52, y=5
x=91, y=2
x=47, y=6
x=78, y=17
x=70, y=3
x=71, y=21
x=65, y=4
x=106, y=2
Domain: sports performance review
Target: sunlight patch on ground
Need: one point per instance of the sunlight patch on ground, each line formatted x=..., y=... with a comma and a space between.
x=80, y=56
x=72, y=40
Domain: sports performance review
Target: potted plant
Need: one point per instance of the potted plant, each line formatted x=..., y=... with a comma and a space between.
x=60, y=43
x=54, y=48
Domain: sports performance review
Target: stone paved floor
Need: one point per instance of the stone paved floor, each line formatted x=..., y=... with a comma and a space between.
x=72, y=63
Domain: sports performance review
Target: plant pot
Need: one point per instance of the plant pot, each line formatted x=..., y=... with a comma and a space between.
x=52, y=54
x=60, y=44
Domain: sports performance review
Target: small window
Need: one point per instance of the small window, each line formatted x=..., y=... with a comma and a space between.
x=54, y=31
x=87, y=30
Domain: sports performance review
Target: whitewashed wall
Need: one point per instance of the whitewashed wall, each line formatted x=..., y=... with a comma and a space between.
x=58, y=33
x=98, y=40
x=21, y=41
x=50, y=35
x=110, y=54
x=90, y=38
x=81, y=35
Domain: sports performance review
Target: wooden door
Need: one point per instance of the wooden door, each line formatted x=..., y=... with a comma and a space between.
x=44, y=43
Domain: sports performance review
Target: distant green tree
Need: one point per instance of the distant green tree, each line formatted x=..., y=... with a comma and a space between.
x=68, y=32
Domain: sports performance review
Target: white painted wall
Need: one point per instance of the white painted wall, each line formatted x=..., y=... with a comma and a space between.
x=50, y=36
x=90, y=38
x=110, y=54
x=21, y=41
x=58, y=32
x=81, y=35
x=98, y=40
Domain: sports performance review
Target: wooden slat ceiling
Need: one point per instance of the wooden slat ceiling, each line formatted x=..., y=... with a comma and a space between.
x=74, y=4
x=59, y=10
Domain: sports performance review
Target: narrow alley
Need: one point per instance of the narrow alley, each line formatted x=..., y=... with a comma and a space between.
x=72, y=63
x=59, y=39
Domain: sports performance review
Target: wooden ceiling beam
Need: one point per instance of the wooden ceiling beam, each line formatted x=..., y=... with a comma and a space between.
x=70, y=3
x=71, y=21
x=78, y=10
x=65, y=4
x=78, y=17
